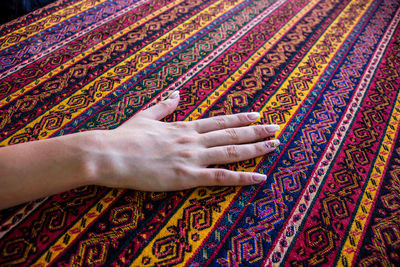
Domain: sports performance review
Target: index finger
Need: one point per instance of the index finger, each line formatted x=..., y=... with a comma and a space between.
x=224, y=122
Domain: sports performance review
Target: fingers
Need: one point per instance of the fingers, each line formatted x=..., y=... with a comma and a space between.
x=222, y=177
x=162, y=109
x=223, y=122
x=234, y=153
x=238, y=135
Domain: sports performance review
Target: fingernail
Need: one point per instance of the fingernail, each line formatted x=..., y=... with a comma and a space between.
x=174, y=95
x=253, y=116
x=272, y=128
x=272, y=143
x=258, y=177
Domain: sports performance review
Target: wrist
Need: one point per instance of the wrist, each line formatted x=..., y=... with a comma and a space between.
x=93, y=160
x=86, y=161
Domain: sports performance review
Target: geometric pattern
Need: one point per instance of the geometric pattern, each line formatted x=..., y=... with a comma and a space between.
x=326, y=71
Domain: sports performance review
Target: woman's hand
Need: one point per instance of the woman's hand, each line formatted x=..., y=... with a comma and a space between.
x=143, y=154
x=147, y=154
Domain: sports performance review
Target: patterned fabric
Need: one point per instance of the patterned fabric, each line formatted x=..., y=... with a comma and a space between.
x=326, y=71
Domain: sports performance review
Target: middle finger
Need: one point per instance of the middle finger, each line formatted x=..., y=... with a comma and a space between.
x=238, y=135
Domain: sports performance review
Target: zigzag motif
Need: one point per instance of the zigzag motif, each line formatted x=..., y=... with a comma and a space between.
x=227, y=226
x=92, y=32
x=199, y=87
x=18, y=246
x=383, y=233
x=74, y=78
x=269, y=209
x=151, y=227
x=22, y=34
x=238, y=255
x=36, y=15
x=349, y=13
x=267, y=76
x=297, y=170
x=288, y=181
x=316, y=179
x=75, y=229
x=332, y=211
x=171, y=247
x=41, y=41
x=130, y=66
x=179, y=65
x=124, y=218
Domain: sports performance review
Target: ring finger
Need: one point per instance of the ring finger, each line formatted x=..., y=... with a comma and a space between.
x=238, y=135
x=234, y=153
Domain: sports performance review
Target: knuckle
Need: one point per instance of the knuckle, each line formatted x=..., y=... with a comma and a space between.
x=220, y=177
x=260, y=131
x=180, y=171
x=180, y=125
x=243, y=118
x=259, y=148
x=243, y=178
x=186, y=140
x=232, y=133
x=220, y=121
x=232, y=152
x=186, y=154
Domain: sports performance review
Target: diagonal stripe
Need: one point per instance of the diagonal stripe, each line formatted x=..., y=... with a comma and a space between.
x=167, y=87
x=148, y=252
x=75, y=230
x=105, y=202
x=46, y=22
x=20, y=215
x=240, y=72
x=223, y=47
x=69, y=108
x=330, y=153
x=368, y=198
x=302, y=90
x=11, y=97
x=30, y=18
x=66, y=41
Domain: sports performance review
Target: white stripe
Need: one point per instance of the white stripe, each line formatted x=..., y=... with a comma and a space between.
x=333, y=148
x=69, y=39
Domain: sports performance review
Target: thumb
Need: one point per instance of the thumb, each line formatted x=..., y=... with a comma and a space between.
x=162, y=109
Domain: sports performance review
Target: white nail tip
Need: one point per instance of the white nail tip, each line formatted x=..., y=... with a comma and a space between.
x=174, y=95
x=273, y=127
x=254, y=115
x=272, y=143
x=259, y=177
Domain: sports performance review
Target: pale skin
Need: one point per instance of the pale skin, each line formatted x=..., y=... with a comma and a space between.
x=143, y=154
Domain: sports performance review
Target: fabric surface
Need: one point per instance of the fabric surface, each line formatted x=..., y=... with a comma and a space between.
x=326, y=71
x=12, y=9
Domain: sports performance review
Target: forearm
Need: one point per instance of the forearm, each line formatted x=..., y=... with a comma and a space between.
x=143, y=154
x=41, y=168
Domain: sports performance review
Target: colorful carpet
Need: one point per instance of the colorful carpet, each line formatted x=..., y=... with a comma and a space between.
x=326, y=71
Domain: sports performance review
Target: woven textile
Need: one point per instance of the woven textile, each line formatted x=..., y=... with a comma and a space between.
x=326, y=71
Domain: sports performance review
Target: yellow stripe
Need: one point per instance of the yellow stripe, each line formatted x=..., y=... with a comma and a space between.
x=46, y=22
x=148, y=254
x=370, y=194
x=102, y=84
x=76, y=229
x=54, y=72
x=63, y=242
x=240, y=72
